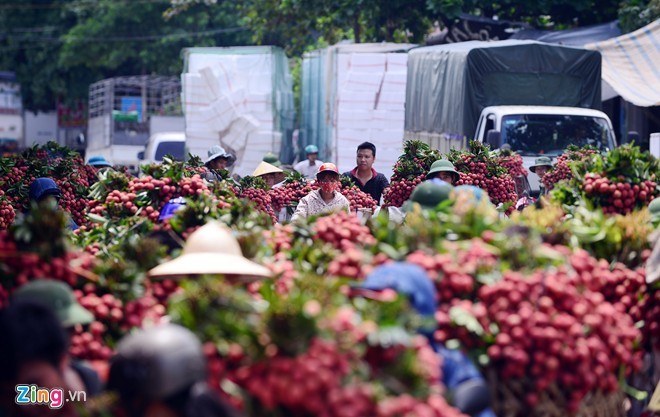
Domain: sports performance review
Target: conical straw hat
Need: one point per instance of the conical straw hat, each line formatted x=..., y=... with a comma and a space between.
x=211, y=250
x=266, y=168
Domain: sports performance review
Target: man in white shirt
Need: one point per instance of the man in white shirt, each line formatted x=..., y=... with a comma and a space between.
x=310, y=166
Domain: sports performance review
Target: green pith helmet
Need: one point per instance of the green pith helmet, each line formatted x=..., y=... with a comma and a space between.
x=442, y=165
x=542, y=161
x=428, y=195
x=272, y=159
x=59, y=297
x=654, y=211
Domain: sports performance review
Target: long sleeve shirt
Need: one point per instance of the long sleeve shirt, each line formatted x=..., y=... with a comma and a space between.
x=313, y=204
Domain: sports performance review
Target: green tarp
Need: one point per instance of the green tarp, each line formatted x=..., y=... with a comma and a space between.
x=449, y=85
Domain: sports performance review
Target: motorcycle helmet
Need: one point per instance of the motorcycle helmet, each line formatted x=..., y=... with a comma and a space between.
x=157, y=362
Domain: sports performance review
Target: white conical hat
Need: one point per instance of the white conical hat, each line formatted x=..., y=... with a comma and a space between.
x=211, y=250
x=266, y=168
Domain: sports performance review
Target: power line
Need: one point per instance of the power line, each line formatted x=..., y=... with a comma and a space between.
x=38, y=42
x=36, y=29
x=68, y=38
x=154, y=37
x=62, y=5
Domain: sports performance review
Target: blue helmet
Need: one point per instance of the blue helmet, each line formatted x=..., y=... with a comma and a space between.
x=43, y=187
x=408, y=279
x=311, y=149
x=98, y=161
x=171, y=207
x=476, y=192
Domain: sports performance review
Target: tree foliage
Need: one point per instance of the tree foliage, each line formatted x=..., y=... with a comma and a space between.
x=137, y=38
x=28, y=47
x=557, y=14
x=297, y=24
x=634, y=14
x=58, y=48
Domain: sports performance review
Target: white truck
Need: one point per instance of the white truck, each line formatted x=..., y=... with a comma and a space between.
x=537, y=98
x=11, y=113
x=534, y=131
x=162, y=144
x=125, y=111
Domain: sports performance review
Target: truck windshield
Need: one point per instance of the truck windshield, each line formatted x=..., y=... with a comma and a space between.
x=11, y=101
x=176, y=149
x=550, y=134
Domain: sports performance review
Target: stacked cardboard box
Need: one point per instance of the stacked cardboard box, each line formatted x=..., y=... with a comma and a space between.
x=230, y=99
x=369, y=106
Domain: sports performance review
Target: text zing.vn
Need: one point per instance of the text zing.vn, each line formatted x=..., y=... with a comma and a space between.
x=53, y=397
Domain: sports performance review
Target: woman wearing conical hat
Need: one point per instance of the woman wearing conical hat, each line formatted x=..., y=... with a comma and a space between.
x=272, y=175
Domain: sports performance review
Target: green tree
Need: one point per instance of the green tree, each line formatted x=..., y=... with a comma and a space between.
x=58, y=48
x=557, y=14
x=29, y=47
x=634, y=14
x=136, y=37
x=295, y=25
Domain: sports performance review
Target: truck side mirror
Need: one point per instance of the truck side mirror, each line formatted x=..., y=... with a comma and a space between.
x=493, y=139
x=80, y=139
x=631, y=137
x=141, y=155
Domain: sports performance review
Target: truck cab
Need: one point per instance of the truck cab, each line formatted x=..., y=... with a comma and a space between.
x=161, y=144
x=125, y=111
x=11, y=113
x=534, y=131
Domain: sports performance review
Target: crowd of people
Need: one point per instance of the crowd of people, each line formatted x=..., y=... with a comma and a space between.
x=326, y=174
x=155, y=372
x=161, y=371
x=442, y=174
x=158, y=371
x=327, y=198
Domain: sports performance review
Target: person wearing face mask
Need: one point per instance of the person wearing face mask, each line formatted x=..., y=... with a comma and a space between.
x=443, y=170
x=98, y=162
x=324, y=199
